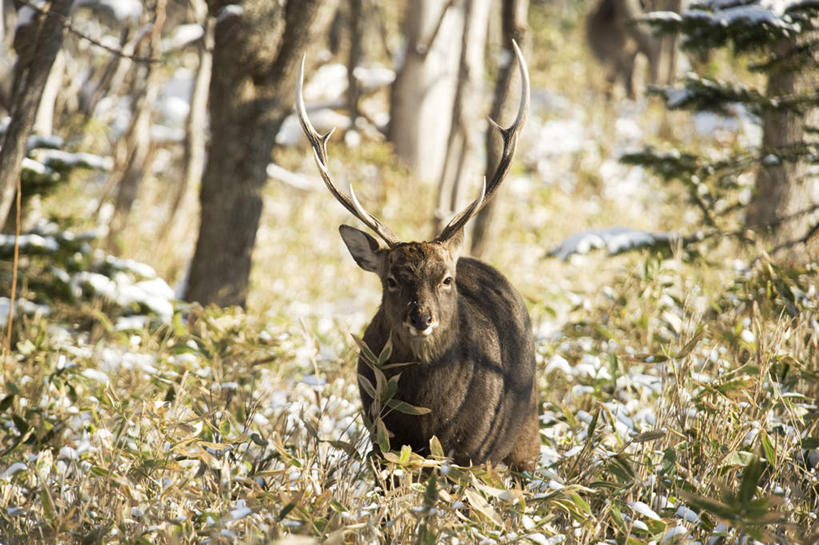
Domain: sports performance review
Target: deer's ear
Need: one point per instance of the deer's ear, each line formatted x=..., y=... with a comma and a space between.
x=365, y=249
x=455, y=243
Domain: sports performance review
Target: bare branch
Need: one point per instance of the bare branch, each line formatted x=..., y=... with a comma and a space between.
x=66, y=24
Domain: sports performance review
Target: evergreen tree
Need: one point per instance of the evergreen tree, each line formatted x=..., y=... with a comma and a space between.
x=780, y=40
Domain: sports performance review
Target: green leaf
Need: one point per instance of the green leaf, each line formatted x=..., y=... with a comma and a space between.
x=285, y=510
x=404, y=457
x=592, y=424
x=391, y=389
x=580, y=503
x=366, y=353
x=348, y=448
x=22, y=425
x=768, y=449
x=669, y=460
x=380, y=382
x=708, y=505
x=6, y=402
x=435, y=448
x=647, y=436
x=47, y=503
x=386, y=352
x=750, y=480
x=405, y=408
x=810, y=443
x=741, y=458
x=482, y=506
x=691, y=344
x=382, y=436
x=431, y=489
x=367, y=386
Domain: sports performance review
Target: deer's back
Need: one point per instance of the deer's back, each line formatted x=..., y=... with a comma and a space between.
x=481, y=389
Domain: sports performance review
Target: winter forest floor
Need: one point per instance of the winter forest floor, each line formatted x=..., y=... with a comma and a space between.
x=678, y=388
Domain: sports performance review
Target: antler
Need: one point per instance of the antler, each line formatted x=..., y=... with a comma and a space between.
x=510, y=142
x=319, y=144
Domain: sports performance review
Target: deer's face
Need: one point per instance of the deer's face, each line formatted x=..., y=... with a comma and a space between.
x=417, y=278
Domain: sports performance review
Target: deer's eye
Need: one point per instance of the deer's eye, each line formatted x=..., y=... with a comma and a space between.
x=447, y=282
x=392, y=284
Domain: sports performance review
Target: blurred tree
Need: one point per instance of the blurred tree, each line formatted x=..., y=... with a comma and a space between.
x=784, y=186
x=504, y=106
x=195, y=143
x=258, y=45
x=462, y=151
x=781, y=40
x=37, y=41
x=423, y=92
x=137, y=149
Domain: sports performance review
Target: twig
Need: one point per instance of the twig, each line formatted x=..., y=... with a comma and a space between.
x=66, y=23
x=739, y=233
x=15, y=265
x=791, y=243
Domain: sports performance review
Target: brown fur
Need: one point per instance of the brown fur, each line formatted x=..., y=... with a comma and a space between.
x=475, y=371
x=615, y=39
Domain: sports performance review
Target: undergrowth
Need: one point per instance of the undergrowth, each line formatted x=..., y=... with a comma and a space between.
x=672, y=410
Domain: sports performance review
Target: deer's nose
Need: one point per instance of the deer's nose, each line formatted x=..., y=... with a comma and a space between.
x=420, y=320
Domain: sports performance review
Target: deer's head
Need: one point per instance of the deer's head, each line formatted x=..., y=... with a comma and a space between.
x=418, y=279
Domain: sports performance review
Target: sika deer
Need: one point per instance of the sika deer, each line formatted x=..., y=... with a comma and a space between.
x=461, y=322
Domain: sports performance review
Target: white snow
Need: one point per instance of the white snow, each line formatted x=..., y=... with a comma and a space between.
x=687, y=514
x=121, y=10
x=183, y=35
x=29, y=242
x=644, y=510
x=674, y=533
x=13, y=470
x=614, y=239
x=753, y=15
x=373, y=77
x=55, y=158
x=325, y=119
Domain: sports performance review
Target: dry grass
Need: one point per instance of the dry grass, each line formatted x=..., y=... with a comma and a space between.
x=685, y=404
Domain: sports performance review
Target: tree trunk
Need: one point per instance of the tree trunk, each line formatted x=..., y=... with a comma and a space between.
x=138, y=149
x=44, y=122
x=257, y=50
x=504, y=108
x=36, y=53
x=423, y=92
x=460, y=164
x=353, y=60
x=783, y=187
x=195, y=145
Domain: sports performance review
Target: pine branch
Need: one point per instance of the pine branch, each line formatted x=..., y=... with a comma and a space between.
x=748, y=27
x=705, y=94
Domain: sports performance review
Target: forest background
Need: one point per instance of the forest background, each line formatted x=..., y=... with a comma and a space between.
x=178, y=364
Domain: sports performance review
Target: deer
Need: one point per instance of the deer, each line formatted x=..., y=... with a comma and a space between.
x=616, y=39
x=457, y=333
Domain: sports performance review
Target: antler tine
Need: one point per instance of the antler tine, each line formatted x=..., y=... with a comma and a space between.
x=510, y=142
x=319, y=145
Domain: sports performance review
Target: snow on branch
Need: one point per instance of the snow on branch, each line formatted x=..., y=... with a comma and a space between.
x=615, y=240
x=749, y=25
x=705, y=94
